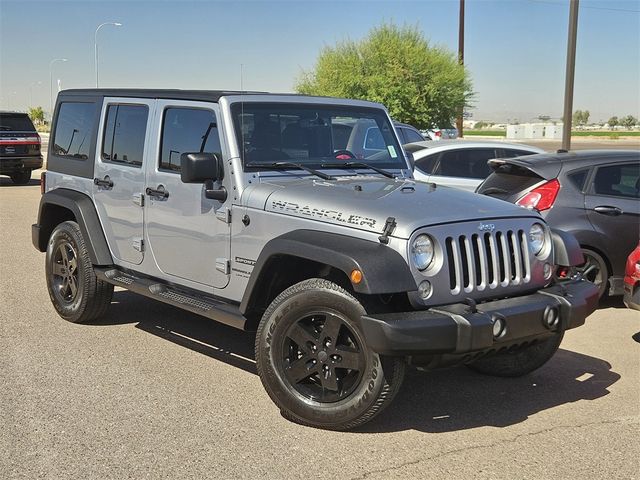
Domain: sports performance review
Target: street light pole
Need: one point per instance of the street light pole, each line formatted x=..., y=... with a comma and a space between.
x=51, y=83
x=95, y=44
x=570, y=74
x=460, y=61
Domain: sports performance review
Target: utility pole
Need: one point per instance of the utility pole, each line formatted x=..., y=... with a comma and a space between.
x=570, y=74
x=460, y=61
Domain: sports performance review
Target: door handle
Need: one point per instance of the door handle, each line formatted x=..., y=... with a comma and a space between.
x=608, y=210
x=103, y=182
x=159, y=192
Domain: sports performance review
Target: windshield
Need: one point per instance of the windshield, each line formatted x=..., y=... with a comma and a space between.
x=313, y=135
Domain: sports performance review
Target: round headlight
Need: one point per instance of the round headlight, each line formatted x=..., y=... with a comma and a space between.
x=422, y=252
x=537, y=238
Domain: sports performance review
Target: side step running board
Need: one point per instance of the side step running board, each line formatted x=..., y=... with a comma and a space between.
x=186, y=299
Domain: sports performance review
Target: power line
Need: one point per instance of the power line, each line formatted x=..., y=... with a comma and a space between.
x=587, y=6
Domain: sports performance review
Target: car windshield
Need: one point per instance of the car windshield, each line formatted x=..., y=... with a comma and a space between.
x=315, y=136
x=17, y=122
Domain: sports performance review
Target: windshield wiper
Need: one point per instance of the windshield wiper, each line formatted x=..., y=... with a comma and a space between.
x=359, y=165
x=286, y=165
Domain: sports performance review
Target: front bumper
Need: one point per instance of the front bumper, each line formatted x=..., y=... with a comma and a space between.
x=19, y=163
x=461, y=329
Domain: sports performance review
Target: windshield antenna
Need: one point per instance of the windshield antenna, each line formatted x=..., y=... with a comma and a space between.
x=242, y=109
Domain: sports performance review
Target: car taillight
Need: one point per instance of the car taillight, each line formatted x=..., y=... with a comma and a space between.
x=542, y=197
x=43, y=182
x=438, y=134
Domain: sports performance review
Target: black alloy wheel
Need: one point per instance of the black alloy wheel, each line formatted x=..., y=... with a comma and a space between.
x=323, y=357
x=65, y=272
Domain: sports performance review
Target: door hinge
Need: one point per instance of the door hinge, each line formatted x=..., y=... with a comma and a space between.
x=224, y=214
x=138, y=199
x=138, y=244
x=222, y=265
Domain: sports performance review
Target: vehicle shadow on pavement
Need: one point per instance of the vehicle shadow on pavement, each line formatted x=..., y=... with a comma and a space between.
x=612, y=302
x=7, y=182
x=186, y=329
x=438, y=401
x=459, y=399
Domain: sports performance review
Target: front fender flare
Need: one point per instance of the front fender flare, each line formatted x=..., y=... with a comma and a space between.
x=383, y=269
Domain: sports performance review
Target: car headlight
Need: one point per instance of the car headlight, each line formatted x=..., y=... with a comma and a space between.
x=422, y=252
x=537, y=238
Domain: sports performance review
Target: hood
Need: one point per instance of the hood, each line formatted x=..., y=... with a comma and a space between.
x=365, y=202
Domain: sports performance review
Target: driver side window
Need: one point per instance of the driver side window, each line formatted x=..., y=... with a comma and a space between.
x=187, y=130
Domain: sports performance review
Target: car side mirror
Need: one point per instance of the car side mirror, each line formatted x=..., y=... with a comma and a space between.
x=200, y=167
x=207, y=168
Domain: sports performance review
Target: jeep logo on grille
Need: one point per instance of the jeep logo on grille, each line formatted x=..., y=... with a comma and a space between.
x=486, y=227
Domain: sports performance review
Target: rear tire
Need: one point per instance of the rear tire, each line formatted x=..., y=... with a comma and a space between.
x=21, y=178
x=313, y=360
x=77, y=295
x=519, y=362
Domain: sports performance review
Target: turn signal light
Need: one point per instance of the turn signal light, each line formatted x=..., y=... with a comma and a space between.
x=43, y=182
x=356, y=277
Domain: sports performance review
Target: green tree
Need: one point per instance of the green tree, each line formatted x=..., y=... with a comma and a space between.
x=613, y=122
x=419, y=83
x=580, y=118
x=629, y=121
x=36, y=114
x=481, y=124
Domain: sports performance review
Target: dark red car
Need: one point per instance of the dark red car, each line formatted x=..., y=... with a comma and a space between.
x=632, y=280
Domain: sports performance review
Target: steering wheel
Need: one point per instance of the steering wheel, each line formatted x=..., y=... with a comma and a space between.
x=344, y=155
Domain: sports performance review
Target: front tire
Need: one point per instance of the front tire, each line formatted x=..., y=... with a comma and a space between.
x=313, y=360
x=77, y=295
x=519, y=362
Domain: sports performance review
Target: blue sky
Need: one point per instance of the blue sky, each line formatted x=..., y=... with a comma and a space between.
x=514, y=49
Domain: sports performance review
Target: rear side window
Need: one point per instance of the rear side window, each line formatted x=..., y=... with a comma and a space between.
x=426, y=164
x=187, y=130
x=618, y=180
x=15, y=122
x=124, y=134
x=412, y=136
x=465, y=163
x=578, y=178
x=73, y=130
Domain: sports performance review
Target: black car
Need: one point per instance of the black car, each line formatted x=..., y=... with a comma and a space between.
x=19, y=147
x=593, y=194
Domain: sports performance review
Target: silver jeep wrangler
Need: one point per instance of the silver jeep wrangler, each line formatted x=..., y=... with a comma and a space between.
x=298, y=217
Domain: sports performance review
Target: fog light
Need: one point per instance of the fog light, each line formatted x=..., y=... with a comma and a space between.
x=499, y=326
x=550, y=317
x=424, y=289
x=547, y=270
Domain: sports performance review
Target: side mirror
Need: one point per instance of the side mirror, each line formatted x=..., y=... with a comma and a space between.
x=204, y=168
x=200, y=167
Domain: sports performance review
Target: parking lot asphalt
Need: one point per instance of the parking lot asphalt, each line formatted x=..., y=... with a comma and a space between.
x=153, y=392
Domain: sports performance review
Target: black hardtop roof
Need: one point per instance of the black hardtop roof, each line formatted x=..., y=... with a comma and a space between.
x=173, y=94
